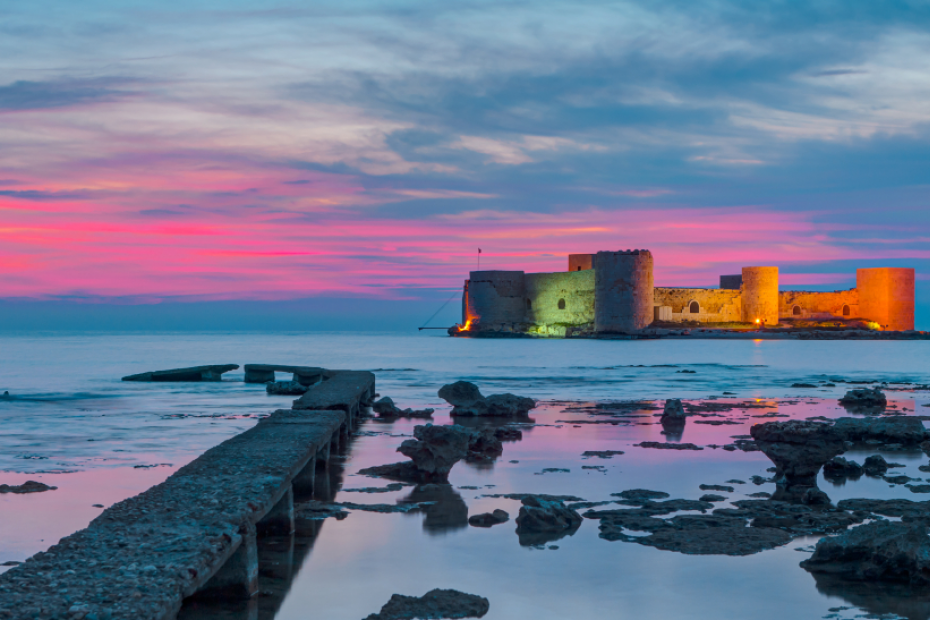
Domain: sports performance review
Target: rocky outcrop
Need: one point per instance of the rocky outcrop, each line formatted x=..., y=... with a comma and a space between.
x=290, y=388
x=487, y=519
x=875, y=465
x=673, y=410
x=434, y=604
x=466, y=400
x=903, y=430
x=436, y=449
x=508, y=433
x=30, y=486
x=484, y=446
x=193, y=373
x=864, y=400
x=543, y=520
x=385, y=408
x=799, y=449
x=877, y=551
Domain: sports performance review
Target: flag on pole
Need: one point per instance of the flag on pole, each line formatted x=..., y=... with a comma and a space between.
x=479, y=250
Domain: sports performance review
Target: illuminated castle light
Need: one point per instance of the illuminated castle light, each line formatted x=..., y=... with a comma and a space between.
x=613, y=293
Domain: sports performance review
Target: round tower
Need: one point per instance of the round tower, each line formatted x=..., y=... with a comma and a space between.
x=623, y=291
x=760, y=295
x=495, y=298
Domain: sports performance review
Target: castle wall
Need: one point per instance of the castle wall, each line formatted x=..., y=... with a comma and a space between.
x=715, y=305
x=545, y=291
x=623, y=290
x=495, y=299
x=886, y=296
x=760, y=295
x=818, y=304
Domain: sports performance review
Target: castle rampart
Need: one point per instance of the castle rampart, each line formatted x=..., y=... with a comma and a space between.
x=613, y=293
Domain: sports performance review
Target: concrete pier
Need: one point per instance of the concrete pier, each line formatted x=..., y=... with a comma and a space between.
x=263, y=373
x=196, y=533
x=343, y=390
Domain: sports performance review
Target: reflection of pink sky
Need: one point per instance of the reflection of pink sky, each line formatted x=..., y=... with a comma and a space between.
x=153, y=228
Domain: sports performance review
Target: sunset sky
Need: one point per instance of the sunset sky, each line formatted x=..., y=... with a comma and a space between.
x=268, y=151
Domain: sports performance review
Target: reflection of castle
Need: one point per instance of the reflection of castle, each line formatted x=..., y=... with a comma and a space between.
x=613, y=292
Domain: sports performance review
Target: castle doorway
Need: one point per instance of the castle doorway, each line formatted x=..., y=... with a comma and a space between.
x=845, y=310
x=796, y=311
x=694, y=307
x=561, y=304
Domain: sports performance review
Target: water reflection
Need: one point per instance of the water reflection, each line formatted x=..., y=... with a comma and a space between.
x=880, y=600
x=447, y=512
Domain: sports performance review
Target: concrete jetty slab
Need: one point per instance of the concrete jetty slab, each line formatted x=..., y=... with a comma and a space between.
x=194, y=373
x=263, y=373
x=343, y=390
x=194, y=533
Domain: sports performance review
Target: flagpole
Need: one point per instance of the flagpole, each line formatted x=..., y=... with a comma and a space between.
x=479, y=259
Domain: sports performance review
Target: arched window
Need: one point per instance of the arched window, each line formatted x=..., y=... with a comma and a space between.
x=796, y=311
x=845, y=310
x=561, y=304
x=529, y=304
x=694, y=307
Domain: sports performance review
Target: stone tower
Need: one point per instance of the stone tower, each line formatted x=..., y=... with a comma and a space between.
x=623, y=291
x=760, y=295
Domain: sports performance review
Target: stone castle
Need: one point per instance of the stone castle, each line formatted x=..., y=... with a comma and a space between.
x=613, y=293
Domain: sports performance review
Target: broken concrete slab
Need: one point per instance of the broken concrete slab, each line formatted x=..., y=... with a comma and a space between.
x=194, y=373
x=264, y=373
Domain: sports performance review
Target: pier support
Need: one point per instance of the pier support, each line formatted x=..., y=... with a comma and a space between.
x=237, y=578
x=280, y=519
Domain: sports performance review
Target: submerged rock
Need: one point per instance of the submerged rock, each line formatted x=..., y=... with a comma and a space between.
x=877, y=551
x=385, y=408
x=726, y=537
x=655, y=445
x=487, y=519
x=716, y=487
x=466, y=400
x=436, y=449
x=508, y=433
x=602, y=454
x=673, y=410
x=30, y=486
x=542, y=520
x=434, y=604
x=193, y=373
x=484, y=446
x=641, y=495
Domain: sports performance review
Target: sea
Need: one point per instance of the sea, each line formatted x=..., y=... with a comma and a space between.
x=70, y=422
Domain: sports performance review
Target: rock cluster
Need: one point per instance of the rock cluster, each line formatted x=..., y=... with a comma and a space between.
x=904, y=430
x=838, y=467
x=434, y=604
x=290, y=388
x=487, y=519
x=544, y=520
x=385, y=408
x=673, y=410
x=466, y=400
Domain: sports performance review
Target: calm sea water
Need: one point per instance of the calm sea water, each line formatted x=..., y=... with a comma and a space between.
x=72, y=423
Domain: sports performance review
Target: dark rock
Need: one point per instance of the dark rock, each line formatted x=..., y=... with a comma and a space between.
x=900, y=479
x=710, y=497
x=541, y=521
x=864, y=400
x=382, y=508
x=316, y=511
x=673, y=410
x=434, y=604
x=487, y=519
x=396, y=486
x=838, y=467
x=551, y=498
x=640, y=495
x=668, y=446
x=554, y=470
x=803, y=385
x=919, y=488
x=405, y=471
x=30, y=486
x=757, y=480
x=716, y=487
x=799, y=448
x=436, y=449
x=894, y=429
x=466, y=400
x=193, y=373
x=602, y=454
x=798, y=519
x=876, y=551
x=875, y=465
x=725, y=537
x=484, y=446
x=385, y=408
x=290, y=388
x=759, y=494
